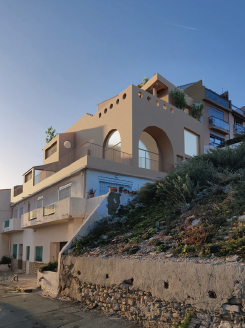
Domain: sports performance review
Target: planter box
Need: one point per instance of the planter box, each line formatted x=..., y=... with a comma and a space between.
x=49, y=281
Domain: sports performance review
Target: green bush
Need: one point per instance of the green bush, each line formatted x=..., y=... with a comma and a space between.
x=51, y=266
x=133, y=250
x=5, y=260
x=162, y=248
x=179, y=98
x=186, y=322
x=197, y=110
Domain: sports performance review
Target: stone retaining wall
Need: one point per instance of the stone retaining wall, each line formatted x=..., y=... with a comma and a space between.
x=34, y=267
x=158, y=293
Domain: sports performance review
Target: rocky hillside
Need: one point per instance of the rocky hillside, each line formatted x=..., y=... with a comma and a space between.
x=196, y=211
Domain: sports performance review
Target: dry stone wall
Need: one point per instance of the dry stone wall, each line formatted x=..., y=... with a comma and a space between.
x=158, y=293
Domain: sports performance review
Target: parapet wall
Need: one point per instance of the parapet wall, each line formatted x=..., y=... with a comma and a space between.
x=158, y=293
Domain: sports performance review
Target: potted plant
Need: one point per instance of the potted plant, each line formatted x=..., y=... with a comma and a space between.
x=125, y=191
x=91, y=193
x=114, y=189
x=120, y=189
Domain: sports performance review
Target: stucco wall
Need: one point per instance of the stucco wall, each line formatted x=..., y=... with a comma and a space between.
x=188, y=283
x=49, y=282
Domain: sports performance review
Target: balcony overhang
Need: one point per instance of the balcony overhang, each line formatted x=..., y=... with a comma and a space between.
x=63, y=210
x=14, y=226
x=218, y=129
x=211, y=102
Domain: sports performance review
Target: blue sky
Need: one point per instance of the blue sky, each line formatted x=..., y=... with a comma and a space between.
x=60, y=58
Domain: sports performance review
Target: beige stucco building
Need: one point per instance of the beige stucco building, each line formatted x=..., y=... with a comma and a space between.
x=221, y=120
x=137, y=136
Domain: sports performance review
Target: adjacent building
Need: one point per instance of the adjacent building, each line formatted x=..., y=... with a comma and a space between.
x=135, y=137
x=221, y=120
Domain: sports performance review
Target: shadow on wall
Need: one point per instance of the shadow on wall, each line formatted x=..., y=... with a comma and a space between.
x=162, y=145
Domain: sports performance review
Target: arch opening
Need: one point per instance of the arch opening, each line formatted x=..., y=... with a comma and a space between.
x=112, y=146
x=155, y=150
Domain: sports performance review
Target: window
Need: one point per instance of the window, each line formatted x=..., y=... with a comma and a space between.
x=191, y=143
x=215, y=140
x=14, y=251
x=15, y=213
x=65, y=191
x=238, y=121
x=27, y=253
x=216, y=113
x=39, y=254
x=40, y=202
x=51, y=150
x=113, y=147
x=28, y=176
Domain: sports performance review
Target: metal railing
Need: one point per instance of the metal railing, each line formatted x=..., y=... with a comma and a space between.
x=216, y=98
x=33, y=215
x=239, y=110
x=218, y=122
x=49, y=209
x=239, y=128
x=6, y=224
x=87, y=149
x=152, y=162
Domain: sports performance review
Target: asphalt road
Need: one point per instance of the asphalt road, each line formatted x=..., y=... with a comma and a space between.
x=21, y=310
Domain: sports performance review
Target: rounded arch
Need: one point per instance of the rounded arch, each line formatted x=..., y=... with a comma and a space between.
x=112, y=146
x=155, y=150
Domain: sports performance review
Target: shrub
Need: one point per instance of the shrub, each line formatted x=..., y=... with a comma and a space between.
x=179, y=98
x=5, y=260
x=186, y=322
x=133, y=250
x=162, y=248
x=51, y=266
x=197, y=110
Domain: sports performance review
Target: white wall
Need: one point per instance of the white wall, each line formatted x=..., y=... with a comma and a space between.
x=50, y=194
x=93, y=179
x=42, y=236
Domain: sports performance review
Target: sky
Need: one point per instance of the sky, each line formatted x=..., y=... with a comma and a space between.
x=60, y=58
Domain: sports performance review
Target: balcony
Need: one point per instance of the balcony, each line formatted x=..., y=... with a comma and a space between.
x=238, y=110
x=239, y=129
x=150, y=160
x=219, y=124
x=11, y=225
x=87, y=149
x=72, y=207
x=214, y=97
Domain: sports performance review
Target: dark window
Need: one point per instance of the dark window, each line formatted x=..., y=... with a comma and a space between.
x=51, y=150
x=216, y=113
x=39, y=253
x=27, y=253
x=215, y=140
x=15, y=251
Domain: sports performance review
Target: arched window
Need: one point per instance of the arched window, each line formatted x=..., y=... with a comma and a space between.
x=112, y=149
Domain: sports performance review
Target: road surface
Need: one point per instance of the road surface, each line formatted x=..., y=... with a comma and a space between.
x=22, y=310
